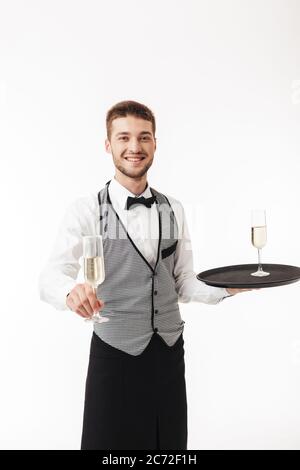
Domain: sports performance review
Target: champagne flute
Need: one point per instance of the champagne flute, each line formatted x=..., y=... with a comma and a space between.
x=259, y=236
x=94, y=273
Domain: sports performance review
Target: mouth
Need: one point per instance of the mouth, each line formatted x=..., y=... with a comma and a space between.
x=135, y=159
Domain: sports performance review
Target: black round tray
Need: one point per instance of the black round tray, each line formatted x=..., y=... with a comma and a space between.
x=239, y=276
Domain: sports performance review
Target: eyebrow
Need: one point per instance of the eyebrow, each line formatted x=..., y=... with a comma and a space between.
x=128, y=133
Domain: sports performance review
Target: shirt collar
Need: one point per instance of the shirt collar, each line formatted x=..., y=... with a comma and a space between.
x=119, y=194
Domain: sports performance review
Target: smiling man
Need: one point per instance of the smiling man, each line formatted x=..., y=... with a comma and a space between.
x=135, y=389
x=132, y=153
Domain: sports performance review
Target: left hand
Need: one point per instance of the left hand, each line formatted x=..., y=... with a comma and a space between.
x=233, y=291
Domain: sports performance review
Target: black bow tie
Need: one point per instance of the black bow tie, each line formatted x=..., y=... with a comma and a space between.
x=139, y=200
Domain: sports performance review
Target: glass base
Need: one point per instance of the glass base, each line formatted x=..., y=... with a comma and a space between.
x=96, y=318
x=260, y=273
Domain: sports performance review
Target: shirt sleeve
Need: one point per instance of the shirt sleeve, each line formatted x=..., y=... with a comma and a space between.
x=188, y=287
x=58, y=277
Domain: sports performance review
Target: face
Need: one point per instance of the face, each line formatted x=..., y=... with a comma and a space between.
x=132, y=145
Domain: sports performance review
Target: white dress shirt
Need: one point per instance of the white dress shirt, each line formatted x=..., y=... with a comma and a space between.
x=59, y=275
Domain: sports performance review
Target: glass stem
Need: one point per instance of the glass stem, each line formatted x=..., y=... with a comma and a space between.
x=259, y=260
x=95, y=292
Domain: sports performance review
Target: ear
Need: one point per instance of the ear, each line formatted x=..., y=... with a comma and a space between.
x=107, y=146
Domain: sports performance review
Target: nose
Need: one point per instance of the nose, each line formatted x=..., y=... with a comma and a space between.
x=134, y=146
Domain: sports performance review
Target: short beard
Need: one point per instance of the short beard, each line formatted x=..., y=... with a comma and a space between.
x=126, y=172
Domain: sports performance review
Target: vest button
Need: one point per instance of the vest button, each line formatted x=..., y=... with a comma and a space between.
x=155, y=292
x=156, y=330
x=156, y=311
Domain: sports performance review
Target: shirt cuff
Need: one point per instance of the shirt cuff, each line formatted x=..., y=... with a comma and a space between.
x=226, y=293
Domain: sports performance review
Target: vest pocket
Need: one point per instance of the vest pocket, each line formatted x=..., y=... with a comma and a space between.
x=168, y=251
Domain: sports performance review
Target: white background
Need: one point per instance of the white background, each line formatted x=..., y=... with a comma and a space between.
x=223, y=80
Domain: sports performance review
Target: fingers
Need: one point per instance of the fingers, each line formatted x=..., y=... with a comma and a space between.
x=94, y=303
x=83, y=300
x=234, y=291
x=74, y=303
x=244, y=290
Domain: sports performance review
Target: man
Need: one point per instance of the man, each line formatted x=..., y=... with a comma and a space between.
x=135, y=388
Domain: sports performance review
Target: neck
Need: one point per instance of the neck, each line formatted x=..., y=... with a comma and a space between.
x=134, y=185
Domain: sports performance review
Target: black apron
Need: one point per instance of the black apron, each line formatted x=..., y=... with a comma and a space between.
x=135, y=402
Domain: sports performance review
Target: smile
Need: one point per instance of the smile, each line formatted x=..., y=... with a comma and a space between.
x=134, y=159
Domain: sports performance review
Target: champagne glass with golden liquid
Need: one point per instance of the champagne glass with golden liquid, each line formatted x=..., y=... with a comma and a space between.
x=259, y=236
x=94, y=272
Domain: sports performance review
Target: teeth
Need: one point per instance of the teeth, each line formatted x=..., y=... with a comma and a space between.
x=134, y=159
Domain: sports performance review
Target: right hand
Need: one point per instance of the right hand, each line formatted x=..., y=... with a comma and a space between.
x=234, y=291
x=83, y=301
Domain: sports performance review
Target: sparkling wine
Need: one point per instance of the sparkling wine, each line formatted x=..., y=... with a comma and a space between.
x=94, y=270
x=259, y=236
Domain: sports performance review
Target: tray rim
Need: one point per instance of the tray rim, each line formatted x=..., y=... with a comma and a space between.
x=241, y=285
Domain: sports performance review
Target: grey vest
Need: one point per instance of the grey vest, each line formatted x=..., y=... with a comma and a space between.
x=139, y=298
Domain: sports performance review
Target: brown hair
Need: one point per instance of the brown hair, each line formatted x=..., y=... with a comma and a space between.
x=132, y=108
